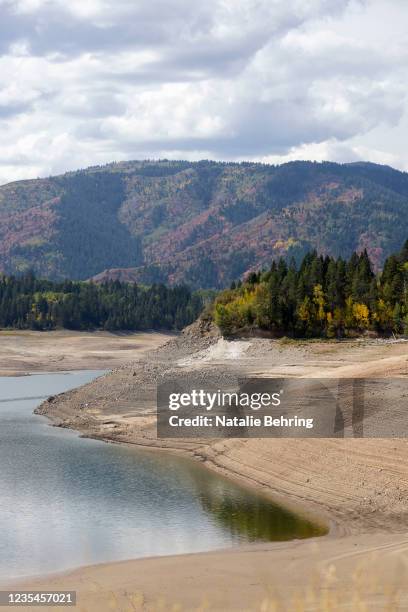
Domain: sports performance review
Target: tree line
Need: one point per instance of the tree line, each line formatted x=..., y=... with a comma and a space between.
x=30, y=303
x=322, y=297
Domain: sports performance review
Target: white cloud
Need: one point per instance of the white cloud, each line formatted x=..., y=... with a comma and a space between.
x=90, y=82
x=335, y=151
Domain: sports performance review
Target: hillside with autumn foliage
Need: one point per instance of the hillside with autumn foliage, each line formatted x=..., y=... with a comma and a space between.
x=201, y=223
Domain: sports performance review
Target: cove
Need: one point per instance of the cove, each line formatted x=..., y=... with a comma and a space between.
x=67, y=501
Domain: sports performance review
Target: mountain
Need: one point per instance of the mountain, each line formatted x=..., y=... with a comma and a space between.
x=204, y=223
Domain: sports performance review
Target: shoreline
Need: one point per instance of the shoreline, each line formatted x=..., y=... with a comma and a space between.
x=309, y=511
x=351, y=573
x=112, y=416
x=292, y=473
x=31, y=352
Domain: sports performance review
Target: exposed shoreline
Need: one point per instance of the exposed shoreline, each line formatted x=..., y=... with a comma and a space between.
x=28, y=352
x=359, y=487
x=120, y=408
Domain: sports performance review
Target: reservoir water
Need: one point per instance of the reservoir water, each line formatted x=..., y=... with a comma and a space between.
x=66, y=501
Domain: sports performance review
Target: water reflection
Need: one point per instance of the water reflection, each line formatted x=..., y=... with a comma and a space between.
x=67, y=501
x=258, y=519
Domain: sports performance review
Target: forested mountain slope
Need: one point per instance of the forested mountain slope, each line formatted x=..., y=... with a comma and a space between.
x=203, y=223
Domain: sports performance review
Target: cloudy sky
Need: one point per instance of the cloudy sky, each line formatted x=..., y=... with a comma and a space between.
x=86, y=82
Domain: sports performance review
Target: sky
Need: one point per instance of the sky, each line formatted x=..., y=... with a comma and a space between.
x=88, y=82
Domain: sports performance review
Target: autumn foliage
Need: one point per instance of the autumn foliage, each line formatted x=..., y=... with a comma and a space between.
x=322, y=297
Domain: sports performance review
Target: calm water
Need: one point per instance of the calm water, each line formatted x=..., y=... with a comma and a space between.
x=67, y=501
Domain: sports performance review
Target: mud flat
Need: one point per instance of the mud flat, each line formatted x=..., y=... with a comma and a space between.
x=359, y=487
x=22, y=352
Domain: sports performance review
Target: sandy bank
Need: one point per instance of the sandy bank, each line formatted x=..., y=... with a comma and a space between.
x=355, y=573
x=22, y=352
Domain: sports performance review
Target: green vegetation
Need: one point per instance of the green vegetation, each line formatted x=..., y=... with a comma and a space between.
x=201, y=223
x=322, y=297
x=29, y=303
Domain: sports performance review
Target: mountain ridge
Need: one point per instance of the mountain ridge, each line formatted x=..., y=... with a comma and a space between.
x=202, y=223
